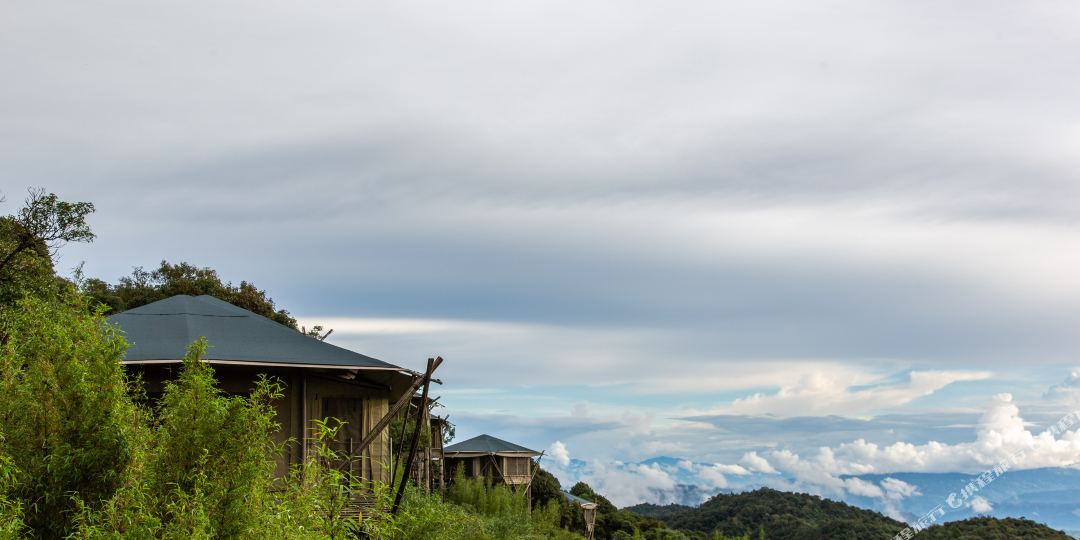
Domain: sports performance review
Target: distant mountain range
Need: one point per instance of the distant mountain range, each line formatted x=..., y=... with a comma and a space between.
x=779, y=515
x=1050, y=496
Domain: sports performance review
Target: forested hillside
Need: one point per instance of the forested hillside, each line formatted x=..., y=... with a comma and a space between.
x=782, y=515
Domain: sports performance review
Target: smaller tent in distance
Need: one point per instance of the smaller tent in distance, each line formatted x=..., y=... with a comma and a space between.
x=491, y=458
x=588, y=508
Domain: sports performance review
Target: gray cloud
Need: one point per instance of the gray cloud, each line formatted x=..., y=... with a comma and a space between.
x=810, y=432
x=704, y=185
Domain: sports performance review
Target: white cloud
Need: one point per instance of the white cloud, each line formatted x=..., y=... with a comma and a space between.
x=897, y=489
x=822, y=394
x=1068, y=391
x=655, y=476
x=712, y=477
x=980, y=505
x=559, y=453
x=1000, y=435
x=752, y=461
x=831, y=471
x=895, y=492
x=737, y=470
x=626, y=484
x=862, y=488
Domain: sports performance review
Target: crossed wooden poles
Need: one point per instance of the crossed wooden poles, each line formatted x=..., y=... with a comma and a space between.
x=425, y=381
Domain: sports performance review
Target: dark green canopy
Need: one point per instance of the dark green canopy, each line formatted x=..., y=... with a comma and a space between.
x=486, y=444
x=160, y=333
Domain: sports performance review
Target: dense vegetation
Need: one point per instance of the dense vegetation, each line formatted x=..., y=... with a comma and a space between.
x=780, y=514
x=797, y=516
x=987, y=528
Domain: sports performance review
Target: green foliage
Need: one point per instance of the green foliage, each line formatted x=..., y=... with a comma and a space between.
x=214, y=451
x=545, y=487
x=402, y=428
x=473, y=508
x=11, y=521
x=207, y=471
x=423, y=516
x=143, y=287
x=610, y=521
x=449, y=432
x=67, y=420
x=766, y=513
x=780, y=514
x=481, y=496
x=987, y=528
x=28, y=240
x=313, y=501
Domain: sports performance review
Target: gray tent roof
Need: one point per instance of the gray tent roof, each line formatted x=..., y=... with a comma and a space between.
x=486, y=444
x=575, y=499
x=161, y=332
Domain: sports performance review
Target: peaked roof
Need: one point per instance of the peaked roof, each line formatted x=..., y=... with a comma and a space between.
x=575, y=499
x=486, y=444
x=162, y=330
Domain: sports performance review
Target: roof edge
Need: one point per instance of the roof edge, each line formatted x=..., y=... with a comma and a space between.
x=504, y=453
x=268, y=364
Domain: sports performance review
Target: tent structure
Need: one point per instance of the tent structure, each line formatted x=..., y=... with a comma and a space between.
x=588, y=509
x=491, y=458
x=321, y=380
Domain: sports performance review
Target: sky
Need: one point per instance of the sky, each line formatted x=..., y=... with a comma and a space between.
x=761, y=238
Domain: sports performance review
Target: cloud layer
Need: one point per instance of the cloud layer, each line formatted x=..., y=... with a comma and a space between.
x=1001, y=436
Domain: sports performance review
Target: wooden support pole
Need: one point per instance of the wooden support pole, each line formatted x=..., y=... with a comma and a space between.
x=385, y=421
x=498, y=469
x=532, y=477
x=401, y=440
x=433, y=363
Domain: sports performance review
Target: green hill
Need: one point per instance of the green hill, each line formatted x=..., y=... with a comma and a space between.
x=986, y=528
x=783, y=515
x=798, y=516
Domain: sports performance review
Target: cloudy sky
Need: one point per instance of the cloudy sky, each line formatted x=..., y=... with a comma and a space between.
x=734, y=234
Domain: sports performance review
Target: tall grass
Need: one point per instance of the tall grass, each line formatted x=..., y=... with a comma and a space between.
x=472, y=509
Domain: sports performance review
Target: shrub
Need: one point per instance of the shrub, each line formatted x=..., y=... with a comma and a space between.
x=206, y=470
x=67, y=420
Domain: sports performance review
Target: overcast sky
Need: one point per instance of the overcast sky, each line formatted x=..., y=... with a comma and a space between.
x=701, y=229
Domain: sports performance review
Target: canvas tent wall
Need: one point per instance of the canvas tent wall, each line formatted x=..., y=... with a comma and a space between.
x=320, y=379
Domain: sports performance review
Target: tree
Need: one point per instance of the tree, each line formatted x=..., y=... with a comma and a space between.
x=46, y=221
x=30, y=238
x=143, y=287
x=545, y=487
x=67, y=422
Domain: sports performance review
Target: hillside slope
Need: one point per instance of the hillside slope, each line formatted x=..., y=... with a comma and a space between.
x=798, y=516
x=987, y=528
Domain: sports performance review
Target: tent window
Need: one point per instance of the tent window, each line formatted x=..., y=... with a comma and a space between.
x=516, y=467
